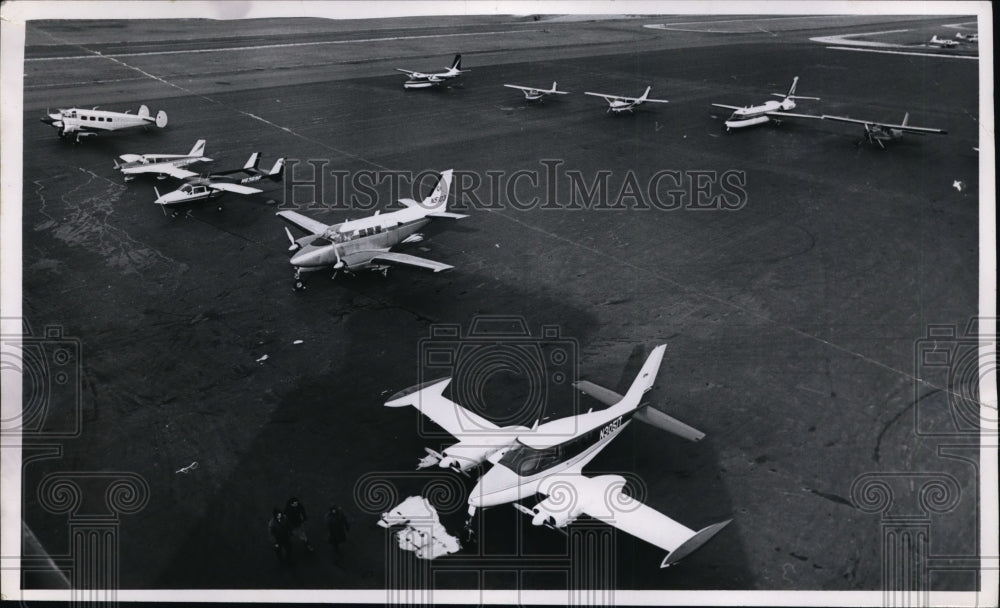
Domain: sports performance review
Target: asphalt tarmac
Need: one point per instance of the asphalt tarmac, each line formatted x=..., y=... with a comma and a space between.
x=793, y=321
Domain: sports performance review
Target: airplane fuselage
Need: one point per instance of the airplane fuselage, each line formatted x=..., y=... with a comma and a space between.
x=757, y=115
x=355, y=250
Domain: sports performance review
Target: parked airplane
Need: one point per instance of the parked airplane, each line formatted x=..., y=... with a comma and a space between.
x=161, y=164
x=549, y=457
x=420, y=80
x=881, y=132
x=365, y=244
x=942, y=42
x=618, y=104
x=198, y=188
x=533, y=94
x=768, y=111
x=967, y=37
x=85, y=123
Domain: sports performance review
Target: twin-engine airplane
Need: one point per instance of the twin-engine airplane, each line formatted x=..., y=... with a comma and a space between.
x=197, y=188
x=548, y=458
x=618, y=104
x=942, y=42
x=768, y=111
x=881, y=132
x=161, y=164
x=533, y=94
x=85, y=123
x=420, y=80
x=365, y=244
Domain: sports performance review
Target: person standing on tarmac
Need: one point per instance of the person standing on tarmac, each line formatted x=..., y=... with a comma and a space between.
x=297, y=517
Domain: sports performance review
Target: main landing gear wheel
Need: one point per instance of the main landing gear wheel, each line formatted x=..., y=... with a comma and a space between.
x=299, y=285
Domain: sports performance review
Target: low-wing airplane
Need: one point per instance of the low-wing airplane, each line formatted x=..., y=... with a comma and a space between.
x=618, y=104
x=942, y=42
x=548, y=459
x=366, y=244
x=197, y=188
x=85, y=123
x=421, y=80
x=881, y=132
x=533, y=94
x=161, y=164
x=768, y=111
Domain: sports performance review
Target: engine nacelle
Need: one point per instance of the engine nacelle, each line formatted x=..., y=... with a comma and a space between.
x=554, y=514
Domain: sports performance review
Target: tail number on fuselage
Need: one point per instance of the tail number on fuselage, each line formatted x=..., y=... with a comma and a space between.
x=611, y=427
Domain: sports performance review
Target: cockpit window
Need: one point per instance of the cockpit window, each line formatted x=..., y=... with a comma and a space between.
x=527, y=461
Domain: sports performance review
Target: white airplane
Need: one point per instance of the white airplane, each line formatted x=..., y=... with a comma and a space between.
x=365, y=244
x=85, y=123
x=618, y=104
x=967, y=37
x=942, y=42
x=198, y=188
x=420, y=80
x=548, y=459
x=881, y=132
x=161, y=164
x=768, y=111
x=533, y=94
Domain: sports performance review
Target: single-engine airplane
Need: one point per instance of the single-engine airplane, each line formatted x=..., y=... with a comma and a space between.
x=161, y=164
x=618, y=104
x=942, y=42
x=197, y=188
x=881, y=132
x=365, y=244
x=533, y=94
x=549, y=457
x=967, y=37
x=768, y=111
x=420, y=80
x=86, y=123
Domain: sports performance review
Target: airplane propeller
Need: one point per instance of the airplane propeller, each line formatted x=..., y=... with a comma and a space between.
x=531, y=513
x=295, y=245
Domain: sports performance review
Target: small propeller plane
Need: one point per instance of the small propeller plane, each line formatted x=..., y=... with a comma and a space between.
x=881, y=132
x=549, y=457
x=197, y=188
x=161, y=164
x=81, y=123
x=942, y=42
x=748, y=116
x=533, y=94
x=420, y=80
x=365, y=244
x=618, y=104
x=967, y=37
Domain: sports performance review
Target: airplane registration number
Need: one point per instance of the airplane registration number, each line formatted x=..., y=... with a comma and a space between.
x=611, y=427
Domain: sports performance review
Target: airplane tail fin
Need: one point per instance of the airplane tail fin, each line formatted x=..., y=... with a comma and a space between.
x=143, y=111
x=161, y=119
x=553, y=86
x=253, y=161
x=457, y=64
x=791, y=90
x=906, y=119
x=646, y=94
x=438, y=199
x=647, y=376
x=278, y=170
x=198, y=149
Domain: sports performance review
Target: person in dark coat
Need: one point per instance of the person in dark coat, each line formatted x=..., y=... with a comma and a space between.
x=337, y=527
x=296, y=514
x=281, y=534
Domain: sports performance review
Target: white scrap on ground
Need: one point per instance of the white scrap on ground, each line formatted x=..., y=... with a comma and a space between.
x=422, y=532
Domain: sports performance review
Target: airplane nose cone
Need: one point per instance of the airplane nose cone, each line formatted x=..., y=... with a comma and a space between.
x=310, y=256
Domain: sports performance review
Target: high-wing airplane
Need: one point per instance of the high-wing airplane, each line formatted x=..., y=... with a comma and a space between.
x=85, y=123
x=533, y=94
x=942, y=42
x=161, y=164
x=768, y=111
x=881, y=132
x=421, y=80
x=548, y=459
x=198, y=188
x=366, y=244
x=618, y=104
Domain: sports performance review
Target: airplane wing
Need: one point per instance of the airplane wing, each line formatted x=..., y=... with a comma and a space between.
x=872, y=123
x=845, y=119
x=402, y=259
x=306, y=223
x=514, y=86
x=170, y=170
x=791, y=114
x=722, y=105
x=237, y=188
x=600, y=499
x=409, y=73
x=450, y=416
x=609, y=98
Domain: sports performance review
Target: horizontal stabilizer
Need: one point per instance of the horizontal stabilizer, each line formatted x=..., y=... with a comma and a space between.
x=693, y=544
x=604, y=395
x=447, y=214
x=654, y=417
